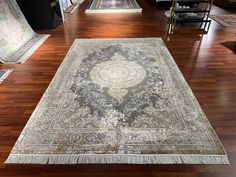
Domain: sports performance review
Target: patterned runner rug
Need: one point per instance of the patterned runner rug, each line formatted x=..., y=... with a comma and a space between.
x=4, y=74
x=118, y=101
x=17, y=40
x=225, y=20
x=110, y=6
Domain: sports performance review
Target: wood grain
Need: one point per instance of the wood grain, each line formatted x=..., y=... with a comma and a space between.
x=208, y=66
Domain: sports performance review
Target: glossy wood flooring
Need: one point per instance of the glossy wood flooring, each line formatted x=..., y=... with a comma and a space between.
x=208, y=63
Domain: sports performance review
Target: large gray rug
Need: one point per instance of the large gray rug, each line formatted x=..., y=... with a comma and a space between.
x=17, y=40
x=118, y=101
x=108, y=6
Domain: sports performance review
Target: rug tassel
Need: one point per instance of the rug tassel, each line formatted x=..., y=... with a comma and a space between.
x=111, y=159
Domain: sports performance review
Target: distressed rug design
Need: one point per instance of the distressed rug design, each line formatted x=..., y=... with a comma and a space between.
x=17, y=40
x=110, y=6
x=118, y=101
x=225, y=20
x=4, y=74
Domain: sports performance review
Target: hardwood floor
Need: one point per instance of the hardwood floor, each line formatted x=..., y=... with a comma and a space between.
x=207, y=64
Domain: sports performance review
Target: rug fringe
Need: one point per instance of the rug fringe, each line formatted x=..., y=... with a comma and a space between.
x=117, y=159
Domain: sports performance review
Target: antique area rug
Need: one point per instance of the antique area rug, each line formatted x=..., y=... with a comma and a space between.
x=4, y=74
x=109, y=6
x=17, y=40
x=225, y=20
x=118, y=101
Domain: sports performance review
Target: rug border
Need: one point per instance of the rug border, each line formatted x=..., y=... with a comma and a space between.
x=151, y=158
x=28, y=53
x=117, y=159
x=89, y=11
x=6, y=74
x=221, y=22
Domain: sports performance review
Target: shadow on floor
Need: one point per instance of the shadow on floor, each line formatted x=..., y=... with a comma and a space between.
x=230, y=45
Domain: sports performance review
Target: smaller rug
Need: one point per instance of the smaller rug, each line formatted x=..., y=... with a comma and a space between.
x=4, y=74
x=228, y=21
x=113, y=6
x=17, y=39
x=21, y=55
